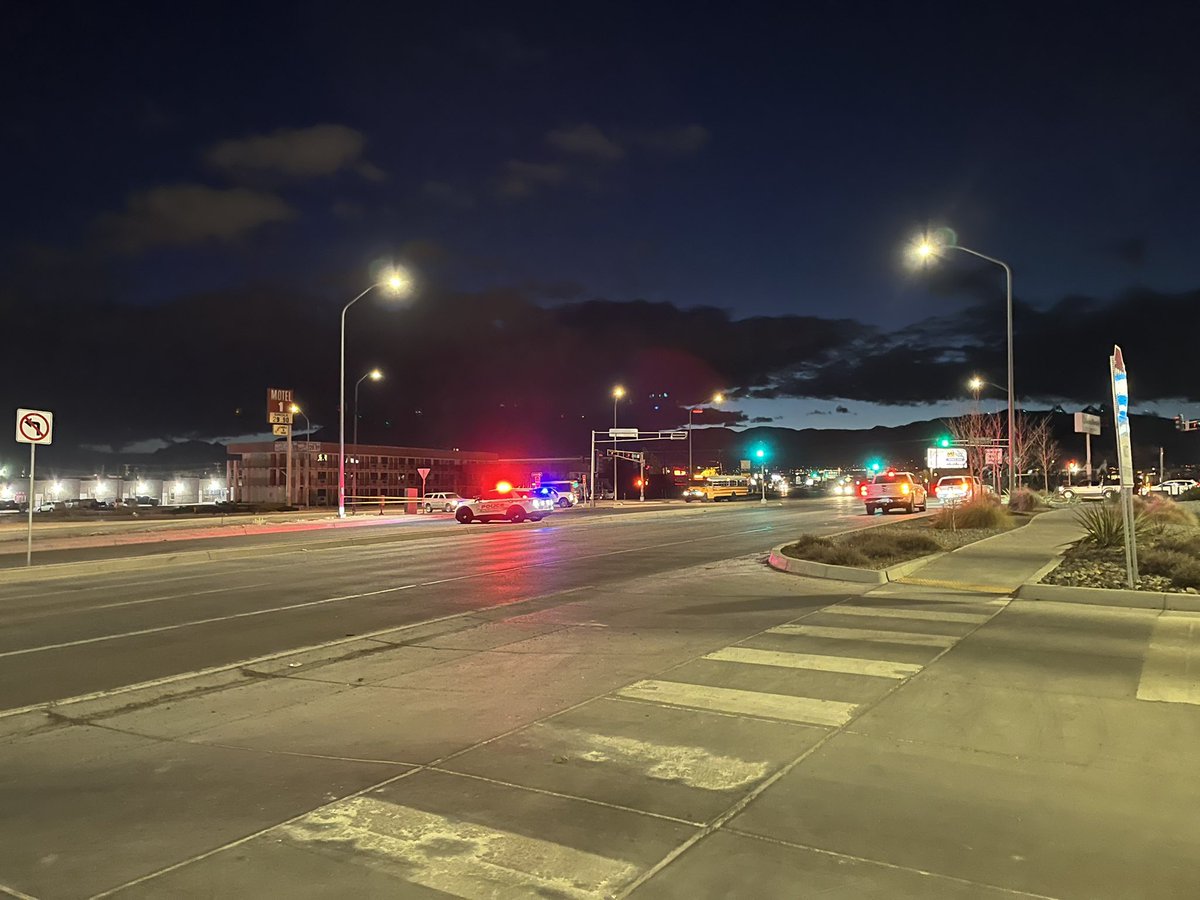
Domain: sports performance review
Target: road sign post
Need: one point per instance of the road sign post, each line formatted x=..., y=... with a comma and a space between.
x=423, y=471
x=1120, y=392
x=279, y=406
x=34, y=426
x=1087, y=425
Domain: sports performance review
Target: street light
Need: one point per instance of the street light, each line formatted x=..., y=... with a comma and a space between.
x=928, y=249
x=618, y=393
x=716, y=398
x=396, y=282
x=374, y=375
x=295, y=410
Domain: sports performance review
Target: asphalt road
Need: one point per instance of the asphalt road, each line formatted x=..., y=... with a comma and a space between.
x=103, y=631
x=626, y=706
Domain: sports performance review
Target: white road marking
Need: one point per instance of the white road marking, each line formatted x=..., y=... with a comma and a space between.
x=929, y=615
x=867, y=634
x=785, y=707
x=450, y=855
x=178, y=625
x=848, y=665
x=1171, y=669
x=693, y=766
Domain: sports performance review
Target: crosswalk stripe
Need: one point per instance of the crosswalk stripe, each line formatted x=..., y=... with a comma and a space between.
x=788, y=708
x=867, y=634
x=849, y=665
x=889, y=612
x=1171, y=670
x=459, y=858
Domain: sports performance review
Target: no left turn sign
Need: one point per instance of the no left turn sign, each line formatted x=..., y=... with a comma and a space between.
x=35, y=426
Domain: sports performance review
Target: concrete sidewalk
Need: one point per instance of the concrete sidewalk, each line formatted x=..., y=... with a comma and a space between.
x=1001, y=564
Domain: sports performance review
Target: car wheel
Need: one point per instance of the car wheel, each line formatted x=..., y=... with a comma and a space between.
x=870, y=510
x=516, y=514
x=464, y=515
x=1068, y=495
x=449, y=507
x=535, y=518
x=428, y=507
x=1108, y=495
x=563, y=502
x=687, y=499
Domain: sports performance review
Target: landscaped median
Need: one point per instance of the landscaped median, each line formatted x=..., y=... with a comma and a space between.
x=887, y=552
x=1093, y=569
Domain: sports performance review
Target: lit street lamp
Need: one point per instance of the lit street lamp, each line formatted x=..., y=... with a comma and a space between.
x=374, y=375
x=297, y=411
x=397, y=283
x=716, y=398
x=927, y=250
x=618, y=393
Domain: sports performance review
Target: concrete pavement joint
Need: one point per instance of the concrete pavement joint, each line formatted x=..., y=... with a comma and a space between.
x=887, y=865
x=760, y=788
x=13, y=892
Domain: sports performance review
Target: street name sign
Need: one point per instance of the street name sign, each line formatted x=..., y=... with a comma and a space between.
x=35, y=426
x=993, y=456
x=627, y=433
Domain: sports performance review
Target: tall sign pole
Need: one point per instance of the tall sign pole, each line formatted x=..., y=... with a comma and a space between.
x=34, y=426
x=1120, y=391
x=279, y=417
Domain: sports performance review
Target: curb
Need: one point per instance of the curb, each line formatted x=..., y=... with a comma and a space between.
x=1061, y=593
x=808, y=568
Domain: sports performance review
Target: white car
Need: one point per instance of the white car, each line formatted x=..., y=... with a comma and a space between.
x=442, y=501
x=1174, y=487
x=505, y=503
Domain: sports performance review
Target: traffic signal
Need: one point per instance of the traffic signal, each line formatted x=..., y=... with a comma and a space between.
x=760, y=453
x=944, y=441
x=874, y=465
x=1179, y=423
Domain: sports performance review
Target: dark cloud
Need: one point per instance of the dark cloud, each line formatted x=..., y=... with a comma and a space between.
x=500, y=369
x=675, y=141
x=758, y=420
x=184, y=214
x=818, y=412
x=520, y=179
x=587, y=141
x=295, y=153
x=449, y=194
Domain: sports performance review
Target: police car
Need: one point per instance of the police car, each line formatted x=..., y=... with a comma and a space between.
x=505, y=502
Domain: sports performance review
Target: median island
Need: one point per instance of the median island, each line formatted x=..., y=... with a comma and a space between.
x=948, y=529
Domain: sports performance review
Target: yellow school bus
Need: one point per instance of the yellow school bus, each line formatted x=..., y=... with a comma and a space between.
x=718, y=487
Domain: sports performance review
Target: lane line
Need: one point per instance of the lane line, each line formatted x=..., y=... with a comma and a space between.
x=1171, y=668
x=178, y=625
x=903, y=613
x=292, y=606
x=847, y=665
x=867, y=634
x=784, y=707
x=60, y=611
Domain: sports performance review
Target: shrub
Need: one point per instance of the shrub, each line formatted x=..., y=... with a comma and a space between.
x=1103, y=524
x=823, y=550
x=1180, y=543
x=880, y=543
x=1159, y=511
x=1182, y=568
x=1025, y=500
x=1193, y=494
x=984, y=512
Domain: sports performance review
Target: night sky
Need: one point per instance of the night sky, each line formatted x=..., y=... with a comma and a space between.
x=677, y=198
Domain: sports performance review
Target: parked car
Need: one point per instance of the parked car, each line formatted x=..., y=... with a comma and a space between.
x=566, y=493
x=442, y=501
x=49, y=506
x=1173, y=487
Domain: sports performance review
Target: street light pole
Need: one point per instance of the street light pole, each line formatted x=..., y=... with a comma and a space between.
x=374, y=375
x=396, y=282
x=618, y=393
x=927, y=249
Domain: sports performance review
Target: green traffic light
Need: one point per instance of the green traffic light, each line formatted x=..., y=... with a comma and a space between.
x=944, y=441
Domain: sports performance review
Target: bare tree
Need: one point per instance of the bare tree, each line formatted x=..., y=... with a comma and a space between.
x=1043, y=448
x=976, y=431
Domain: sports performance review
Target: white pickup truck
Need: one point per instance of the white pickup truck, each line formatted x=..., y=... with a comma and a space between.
x=894, y=490
x=1099, y=490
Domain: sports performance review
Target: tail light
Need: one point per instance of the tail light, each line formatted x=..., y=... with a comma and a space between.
x=863, y=490
x=933, y=490
x=904, y=488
